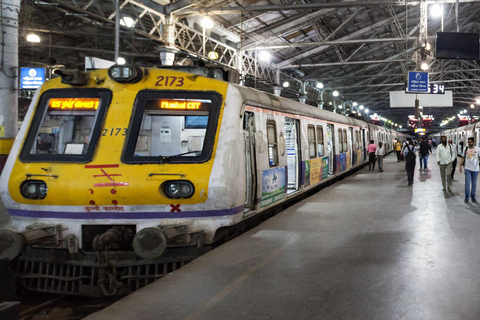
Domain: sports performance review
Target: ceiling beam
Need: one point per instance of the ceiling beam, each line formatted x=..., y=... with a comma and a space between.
x=310, y=6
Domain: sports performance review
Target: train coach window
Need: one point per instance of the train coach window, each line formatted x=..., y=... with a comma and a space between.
x=175, y=127
x=272, y=143
x=320, y=145
x=66, y=125
x=312, y=145
x=340, y=140
x=345, y=148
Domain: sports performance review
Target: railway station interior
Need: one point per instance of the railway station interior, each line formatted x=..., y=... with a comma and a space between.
x=183, y=159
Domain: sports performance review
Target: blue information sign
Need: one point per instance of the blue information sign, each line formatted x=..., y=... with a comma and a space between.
x=31, y=78
x=417, y=82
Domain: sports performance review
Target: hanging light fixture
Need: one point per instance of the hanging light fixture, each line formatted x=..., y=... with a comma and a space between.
x=32, y=37
x=207, y=23
x=212, y=55
x=127, y=21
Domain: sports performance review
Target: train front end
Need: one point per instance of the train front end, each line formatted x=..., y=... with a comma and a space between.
x=109, y=169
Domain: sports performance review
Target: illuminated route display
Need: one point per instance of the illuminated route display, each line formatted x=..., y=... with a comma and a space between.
x=73, y=104
x=178, y=105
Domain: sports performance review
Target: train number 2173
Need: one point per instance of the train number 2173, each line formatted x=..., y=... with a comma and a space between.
x=114, y=132
x=169, y=81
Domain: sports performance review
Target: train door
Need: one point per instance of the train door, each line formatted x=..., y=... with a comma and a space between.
x=364, y=145
x=331, y=151
x=250, y=160
x=292, y=141
x=350, y=145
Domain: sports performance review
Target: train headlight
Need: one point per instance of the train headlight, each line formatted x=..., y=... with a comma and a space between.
x=125, y=73
x=34, y=189
x=178, y=189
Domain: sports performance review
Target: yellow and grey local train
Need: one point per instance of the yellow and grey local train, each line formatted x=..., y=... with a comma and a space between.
x=111, y=167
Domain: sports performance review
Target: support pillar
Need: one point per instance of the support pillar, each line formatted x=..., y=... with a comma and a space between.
x=168, y=52
x=8, y=76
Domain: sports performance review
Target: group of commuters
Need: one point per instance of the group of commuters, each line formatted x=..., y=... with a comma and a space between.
x=447, y=159
x=447, y=154
x=375, y=154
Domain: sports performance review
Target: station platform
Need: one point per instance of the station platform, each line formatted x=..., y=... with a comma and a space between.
x=367, y=247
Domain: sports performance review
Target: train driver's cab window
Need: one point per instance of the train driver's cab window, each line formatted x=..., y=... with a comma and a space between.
x=66, y=125
x=320, y=144
x=172, y=127
x=312, y=144
x=272, y=143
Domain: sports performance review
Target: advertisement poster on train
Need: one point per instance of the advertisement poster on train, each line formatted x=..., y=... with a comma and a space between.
x=342, y=162
x=358, y=159
x=273, y=186
x=324, y=168
x=315, y=168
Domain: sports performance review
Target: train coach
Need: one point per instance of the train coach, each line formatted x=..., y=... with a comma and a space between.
x=111, y=167
x=460, y=134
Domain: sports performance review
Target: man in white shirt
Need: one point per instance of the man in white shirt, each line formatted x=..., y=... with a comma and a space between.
x=445, y=156
x=471, y=161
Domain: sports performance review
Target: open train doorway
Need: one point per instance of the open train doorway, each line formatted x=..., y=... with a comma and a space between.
x=331, y=151
x=250, y=161
x=292, y=142
x=364, y=145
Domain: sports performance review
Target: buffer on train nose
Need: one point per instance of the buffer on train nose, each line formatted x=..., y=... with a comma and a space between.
x=125, y=73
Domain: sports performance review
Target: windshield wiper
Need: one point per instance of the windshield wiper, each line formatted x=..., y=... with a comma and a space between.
x=177, y=155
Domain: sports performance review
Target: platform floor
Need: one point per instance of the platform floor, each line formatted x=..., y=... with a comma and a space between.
x=368, y=247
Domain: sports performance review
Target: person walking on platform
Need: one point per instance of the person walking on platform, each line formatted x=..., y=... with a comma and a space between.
x=398, y=149
x=371, y=148
x=410, y=160
x=404, y=146
x=424, y=153
x=380, y=153
x=471, y=162
x=445, y=155
x=454, y=161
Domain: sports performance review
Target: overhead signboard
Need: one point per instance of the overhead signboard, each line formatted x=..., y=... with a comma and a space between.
x=433, y=88
x=419, y=130
x=417, y=82
x=400, y=99
x=31, y=78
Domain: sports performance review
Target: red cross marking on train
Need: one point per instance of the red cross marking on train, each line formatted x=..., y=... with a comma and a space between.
x=107, y=175
x=175, y=208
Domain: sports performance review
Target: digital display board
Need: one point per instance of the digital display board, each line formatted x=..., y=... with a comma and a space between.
x=73, y=104
x=177, y=105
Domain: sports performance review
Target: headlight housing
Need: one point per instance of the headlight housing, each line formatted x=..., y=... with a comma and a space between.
x=34, y=189
x=178, y=189
x=125, y=73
